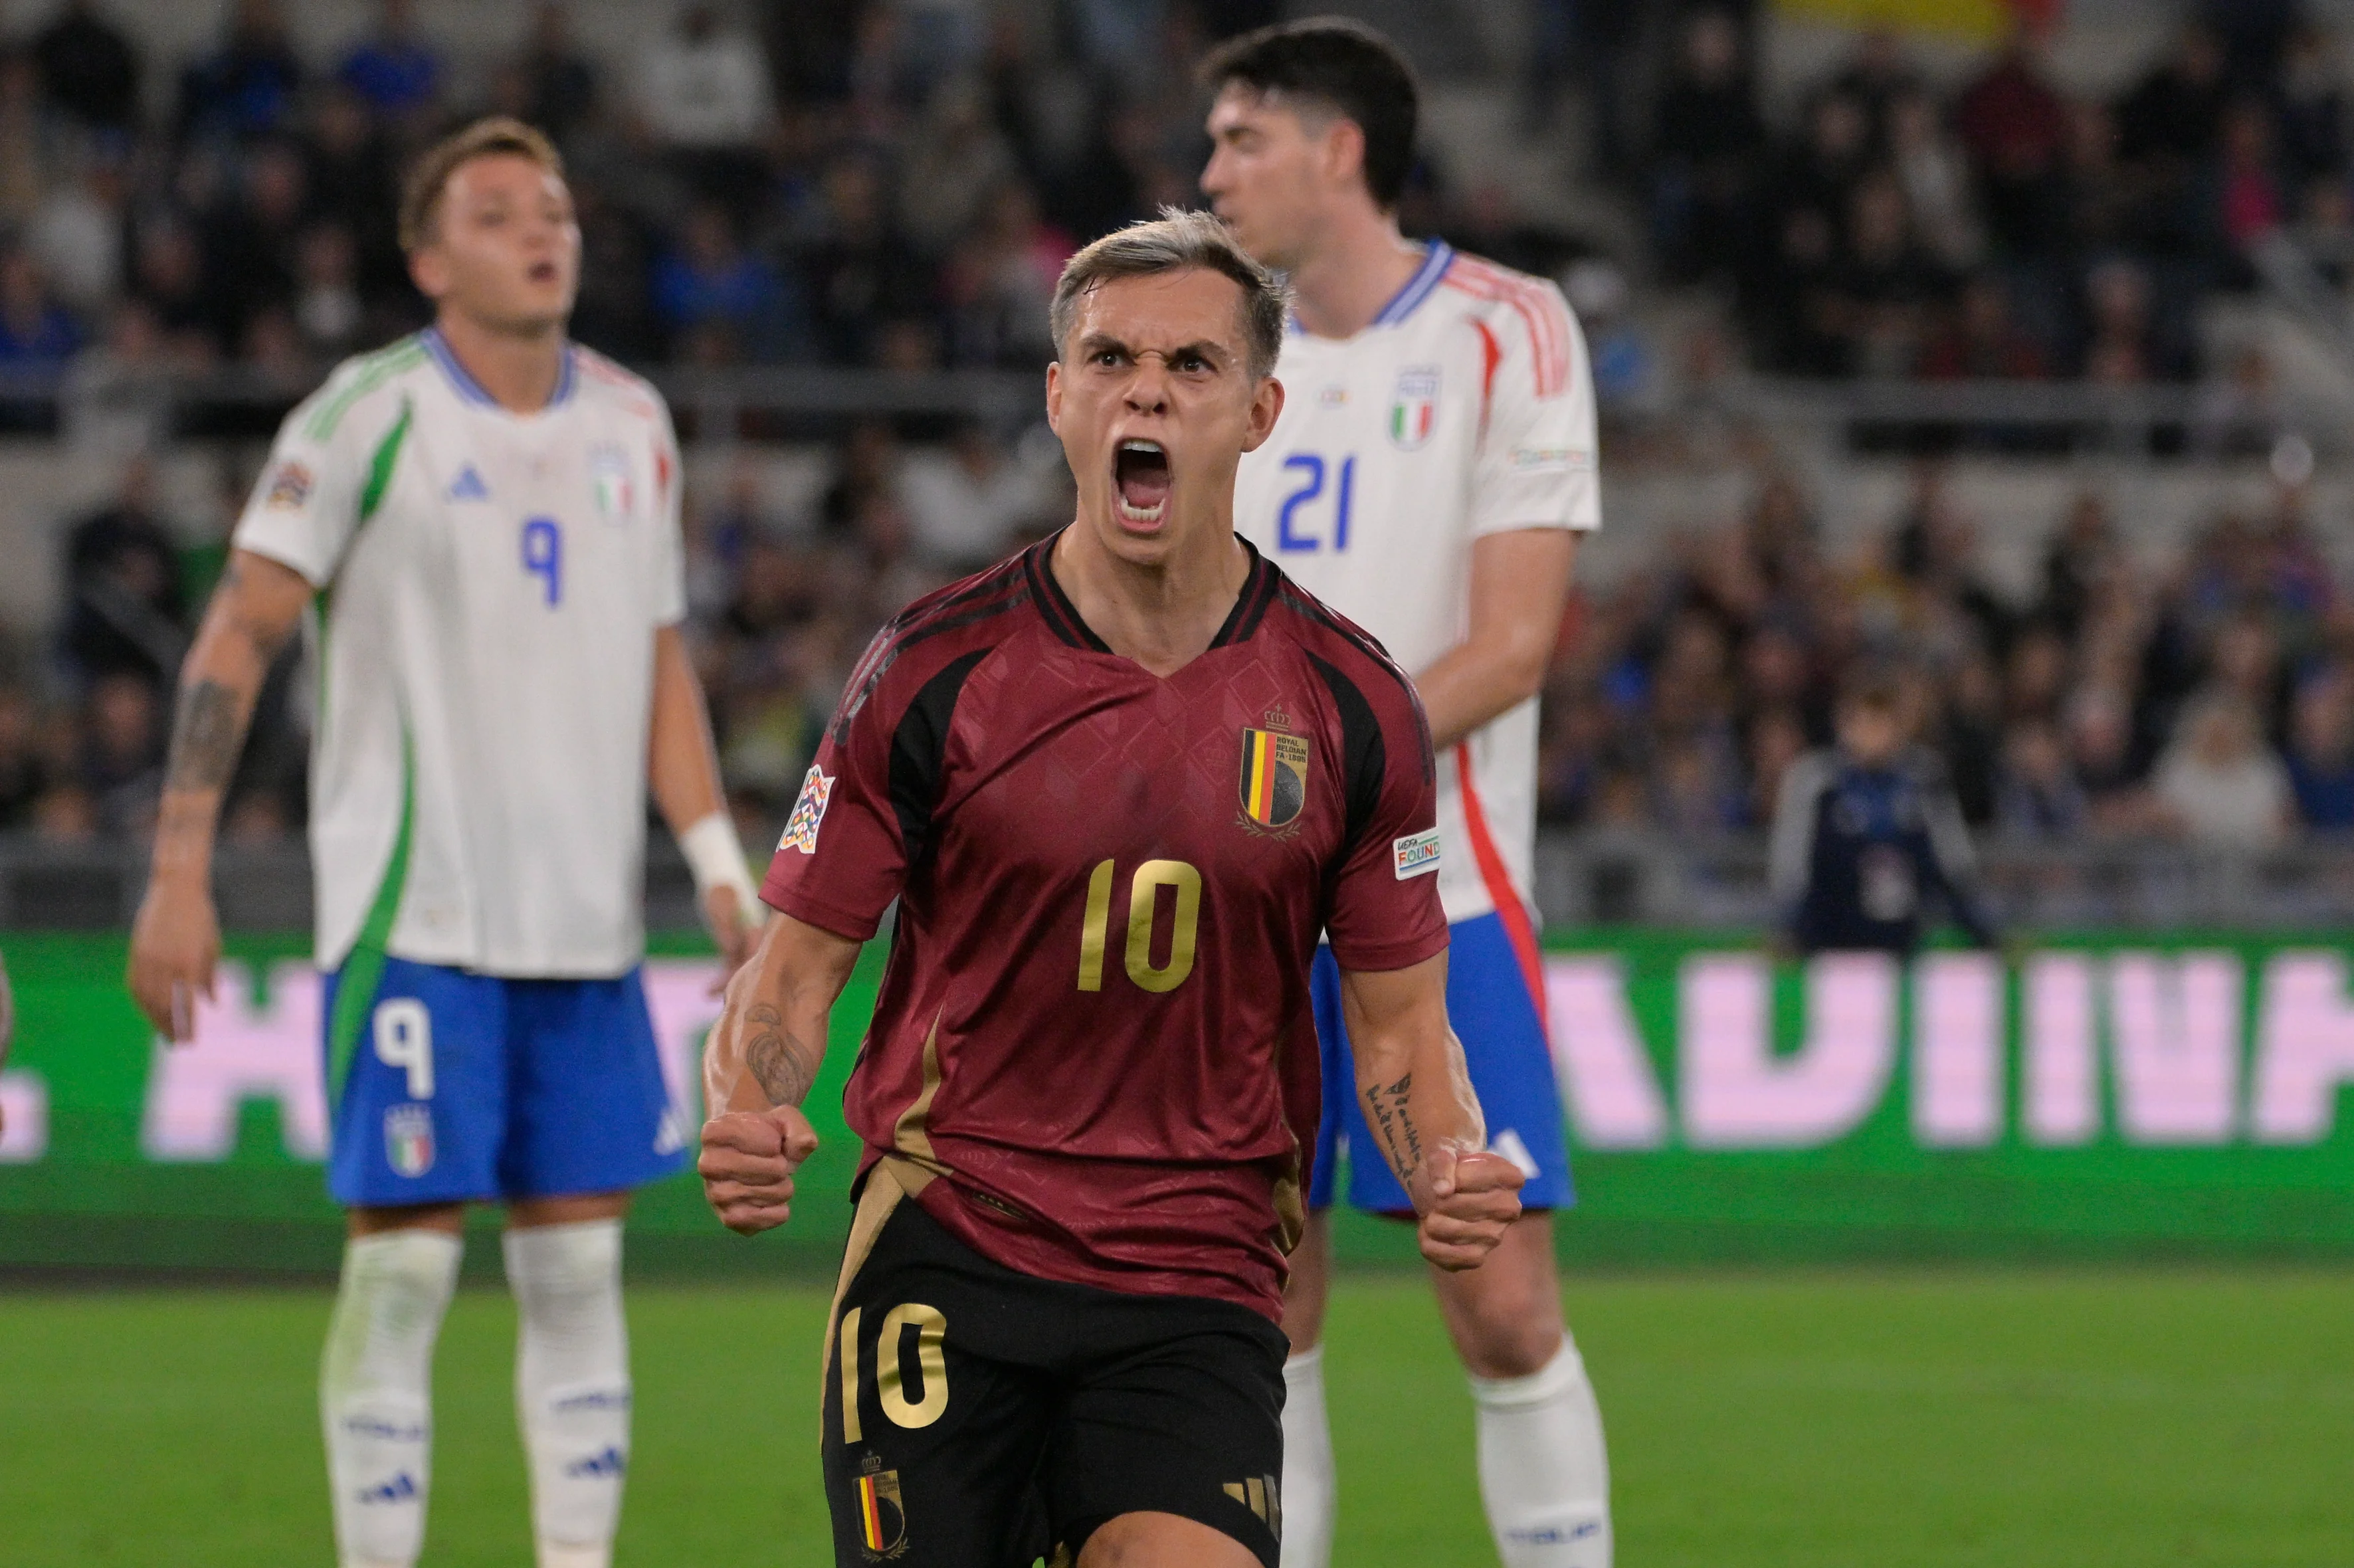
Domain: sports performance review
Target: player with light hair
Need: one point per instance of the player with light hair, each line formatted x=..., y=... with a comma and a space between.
x=482, y=522
x=1431, y=472
x=1118, y=786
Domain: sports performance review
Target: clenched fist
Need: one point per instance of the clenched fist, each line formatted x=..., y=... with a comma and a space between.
x=747, y=1164
x=1472, y=1197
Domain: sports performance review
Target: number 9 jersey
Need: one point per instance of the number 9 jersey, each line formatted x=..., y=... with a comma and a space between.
x=489, y=588
x=1466, y=409
x=1094, y=1055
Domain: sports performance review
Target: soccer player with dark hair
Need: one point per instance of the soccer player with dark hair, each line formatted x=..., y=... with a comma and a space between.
x=480, y=527
x=1118, y=784
x=1429, y=477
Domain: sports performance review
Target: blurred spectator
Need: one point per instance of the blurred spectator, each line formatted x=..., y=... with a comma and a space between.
x=2249, y=191
x=1882, y=290
x=168, y=281
x=76, y=236
x=721, y=303
x=2175, y=114
x=27, y=151
x=704, y=92
x=250, y=239
x=2321, y=751
x=2017, y=128
x=2038, y=797
x=24, y=777
x=1982, y=340
x=1867, y=841
x=2219, y=784
x=394, y=69
x=1935, y=176
x=1707, y=142
x=999, y=282
x=967, y=506
x=861, y=275
x=560, y=81
x=2313, y=108
x=35, y=330
x=2123, y=351
x=328, y=309
x=90, y=70
x=249, y=87
x=126, y=613
x=1877, y=76
x=122, y=759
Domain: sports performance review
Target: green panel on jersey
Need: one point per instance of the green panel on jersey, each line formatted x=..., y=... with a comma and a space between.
x=363, y=968
x=388, y=453
x=371, y=372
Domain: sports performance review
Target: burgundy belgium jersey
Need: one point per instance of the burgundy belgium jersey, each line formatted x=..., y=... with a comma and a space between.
x=1093, y=1058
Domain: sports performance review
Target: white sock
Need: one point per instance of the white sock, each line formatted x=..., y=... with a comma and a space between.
x=375, y=1391
x=572, y=1385
x=1543, y=1471
x=1308, y=1491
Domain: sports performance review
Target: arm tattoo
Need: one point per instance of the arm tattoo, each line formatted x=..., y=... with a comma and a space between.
x=1396, y=1124
x=784, y=1067
x=206, y=738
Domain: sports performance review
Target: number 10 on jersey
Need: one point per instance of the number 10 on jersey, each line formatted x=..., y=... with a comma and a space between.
x=1143, y=913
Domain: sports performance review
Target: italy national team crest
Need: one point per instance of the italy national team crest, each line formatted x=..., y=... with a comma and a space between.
x=608, y=479
x=882, y=1516
x=1414, y=412
x=1275, y=777
x=408, y=1139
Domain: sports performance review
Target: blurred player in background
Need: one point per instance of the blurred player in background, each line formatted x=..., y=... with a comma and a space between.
x=1868, y=837
x=483, y=521
x=7, y=1026
x=1436, y=458
x=1118, y=784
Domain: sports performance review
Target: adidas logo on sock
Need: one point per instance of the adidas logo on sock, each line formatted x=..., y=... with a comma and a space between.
x=611, y=1462
x=401, y=1488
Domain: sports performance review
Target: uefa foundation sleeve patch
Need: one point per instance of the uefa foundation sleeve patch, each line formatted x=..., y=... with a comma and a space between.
x=809, y=811
x=1418, y=854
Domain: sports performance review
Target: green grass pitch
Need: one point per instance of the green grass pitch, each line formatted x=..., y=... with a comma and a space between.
x=1846, y=1420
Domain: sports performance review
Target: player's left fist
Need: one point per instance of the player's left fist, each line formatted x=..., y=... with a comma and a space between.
x=748, y=1163
x=1474, y=1197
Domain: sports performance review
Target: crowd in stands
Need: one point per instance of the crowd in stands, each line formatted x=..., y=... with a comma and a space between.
x=2008, y=229
x=895, y=183
x=2212, y=702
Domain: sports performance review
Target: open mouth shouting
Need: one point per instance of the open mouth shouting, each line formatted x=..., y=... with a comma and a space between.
x=1141, y=477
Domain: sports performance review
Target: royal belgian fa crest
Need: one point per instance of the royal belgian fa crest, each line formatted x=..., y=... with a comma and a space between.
x=882, y=1517
x=1275, y=777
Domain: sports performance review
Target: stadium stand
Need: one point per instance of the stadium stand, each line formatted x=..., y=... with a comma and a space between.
x=2020, y=362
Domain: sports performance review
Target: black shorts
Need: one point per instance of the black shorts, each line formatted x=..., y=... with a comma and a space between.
x=996, y=1419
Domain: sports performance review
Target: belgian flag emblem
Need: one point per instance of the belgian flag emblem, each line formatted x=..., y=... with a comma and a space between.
x=1275, y=777
x=882, y=1517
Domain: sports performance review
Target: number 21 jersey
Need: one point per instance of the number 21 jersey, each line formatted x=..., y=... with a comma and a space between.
x=1466, y=409
x=1093, y=1056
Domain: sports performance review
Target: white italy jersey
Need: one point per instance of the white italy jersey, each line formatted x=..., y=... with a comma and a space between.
x=490, y=585
x=1466, y=409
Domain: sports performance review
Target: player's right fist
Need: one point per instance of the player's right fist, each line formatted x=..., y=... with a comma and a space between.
x=748, y=1163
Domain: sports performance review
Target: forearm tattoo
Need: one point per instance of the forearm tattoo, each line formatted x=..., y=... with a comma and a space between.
x=206, y=738
x=782, y=1064
x=1394, y=1122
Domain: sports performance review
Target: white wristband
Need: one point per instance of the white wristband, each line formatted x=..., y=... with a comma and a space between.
x=715, y=856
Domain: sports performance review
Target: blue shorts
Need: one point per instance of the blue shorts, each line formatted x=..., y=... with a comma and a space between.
x=450, y=1086
x=1504, y=1043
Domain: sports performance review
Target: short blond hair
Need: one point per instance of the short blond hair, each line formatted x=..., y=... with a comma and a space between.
x=1174, y=242
x=496, y=137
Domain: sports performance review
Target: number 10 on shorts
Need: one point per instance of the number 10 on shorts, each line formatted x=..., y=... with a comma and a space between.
x=404, y=1042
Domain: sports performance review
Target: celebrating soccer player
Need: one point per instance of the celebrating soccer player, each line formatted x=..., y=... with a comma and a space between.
x=484, y=521
x=1434, y=459
x=1118, y=784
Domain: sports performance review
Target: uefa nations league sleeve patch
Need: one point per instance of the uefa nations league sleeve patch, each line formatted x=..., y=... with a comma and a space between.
x=809, y=811
x=1417, y=853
